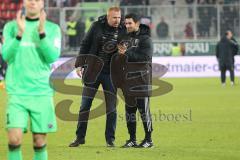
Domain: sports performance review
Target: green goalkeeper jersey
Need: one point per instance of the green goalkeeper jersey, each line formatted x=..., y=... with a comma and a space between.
x=29, y=59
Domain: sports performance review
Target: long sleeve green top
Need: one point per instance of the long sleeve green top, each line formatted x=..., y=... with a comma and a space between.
x=29, y=59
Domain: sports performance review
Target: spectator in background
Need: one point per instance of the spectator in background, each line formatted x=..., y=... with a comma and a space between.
x=72, y=33
x=176, y=49
x=80, y=30
x=212, y=11
x=88, y=23
x=190, y=7
x=226, y=49
x=188, y=30
x=162, y=29
x=204, y=22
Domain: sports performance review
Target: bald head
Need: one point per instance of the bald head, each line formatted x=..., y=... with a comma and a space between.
x=114, y=16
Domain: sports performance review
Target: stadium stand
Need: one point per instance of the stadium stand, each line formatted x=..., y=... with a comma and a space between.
x=8, y=10
x=188, y=20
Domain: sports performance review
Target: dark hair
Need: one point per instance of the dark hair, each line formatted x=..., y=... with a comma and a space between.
x=135, y=17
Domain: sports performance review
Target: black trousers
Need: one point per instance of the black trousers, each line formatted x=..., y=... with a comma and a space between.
x=223, y=69
x=73, y=41
x=88, y=95
x=142, y=105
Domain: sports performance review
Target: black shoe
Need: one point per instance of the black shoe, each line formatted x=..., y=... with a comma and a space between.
x=77, y=142
x=110, y=144
x=145, y=144
x=130, y=143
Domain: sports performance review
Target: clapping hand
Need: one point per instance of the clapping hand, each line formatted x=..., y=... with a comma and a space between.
x=20, y=22
x=42, y=20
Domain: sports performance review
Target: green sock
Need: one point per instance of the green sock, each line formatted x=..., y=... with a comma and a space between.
x=14, y=152
x=40, y=153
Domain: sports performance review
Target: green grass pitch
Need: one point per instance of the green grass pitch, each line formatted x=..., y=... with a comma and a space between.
x=206, y=126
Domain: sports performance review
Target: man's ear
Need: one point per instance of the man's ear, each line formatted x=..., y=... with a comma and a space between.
x=138, y=23
x=42, y=7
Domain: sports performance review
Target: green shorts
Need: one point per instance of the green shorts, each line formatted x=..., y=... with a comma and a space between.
x=39, y=109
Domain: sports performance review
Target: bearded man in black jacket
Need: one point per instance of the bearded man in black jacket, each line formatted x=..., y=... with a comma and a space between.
x=136, y=50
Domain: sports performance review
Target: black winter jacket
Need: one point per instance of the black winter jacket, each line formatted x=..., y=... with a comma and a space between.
x=90, y=44
x=133, y=70
x=226, y=50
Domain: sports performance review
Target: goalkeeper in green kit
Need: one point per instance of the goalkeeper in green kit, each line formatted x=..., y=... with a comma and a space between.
x=30, y=45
